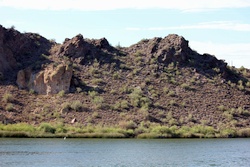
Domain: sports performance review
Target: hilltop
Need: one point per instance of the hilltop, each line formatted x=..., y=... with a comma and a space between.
x=157, y=86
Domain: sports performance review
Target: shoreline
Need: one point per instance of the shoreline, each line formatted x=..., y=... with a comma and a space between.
x=46, y=130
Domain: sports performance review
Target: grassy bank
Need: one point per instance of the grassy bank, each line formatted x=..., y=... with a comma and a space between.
x=46, y=130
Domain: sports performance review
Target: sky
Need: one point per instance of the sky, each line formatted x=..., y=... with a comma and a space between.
x=217, y=27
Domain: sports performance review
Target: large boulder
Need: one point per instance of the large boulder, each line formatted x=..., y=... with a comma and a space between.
x=51, y=80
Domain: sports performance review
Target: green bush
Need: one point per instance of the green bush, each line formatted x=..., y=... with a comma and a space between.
x=21, y=127
x=127, y=125
x=76, y=105
x=61, y=93
x=244, y=132
x=32, y=91
x=98, y=101
x=185, y=86
x=222, y=108
x=9, y=107
x=121, y=105
x=47, y=128
x=7, y=97
x=92, y=94
x=138, y=99
x=171, y=93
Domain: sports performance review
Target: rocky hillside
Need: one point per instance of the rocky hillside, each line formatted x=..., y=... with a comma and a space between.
x=88, y=81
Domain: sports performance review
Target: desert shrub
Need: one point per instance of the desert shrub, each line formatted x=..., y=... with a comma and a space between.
x=171, y=93
x=98, y=81
x=172, y=122
x=126, y=89
x=165, y=90
x=9, y=107
x=96, y=115
x=7, y=97
x=138, y=100
x=116, y=106
x=66, y=106
x=222, y=108
x=32, y=91
x=241, y=111
x=46, y=108
x=161, y=130
x=116, y=75
x=98, y=101
x=244, y=132
x=135, y=97
x=228, y=115
x=248, y=84
x=78, y=90
x=47, y=128
x=138, y=53
x=120, y=105
x=124, y=104
x=185, y=86
x=205, y=130
x=92, y=94
x=226, y=132
x=240, y=85
x=127, y=124
x=173, y=81
x=76, y=105
x=60, y=128
x=113, y=92
x=61, y=93
x=173, y=103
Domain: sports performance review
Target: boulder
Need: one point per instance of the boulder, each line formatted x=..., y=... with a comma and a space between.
x=51, y=80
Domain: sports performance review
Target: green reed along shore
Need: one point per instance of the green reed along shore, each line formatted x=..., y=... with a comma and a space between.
x=47, y=130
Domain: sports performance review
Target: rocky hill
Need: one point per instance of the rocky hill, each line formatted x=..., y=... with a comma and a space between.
x=156, y=82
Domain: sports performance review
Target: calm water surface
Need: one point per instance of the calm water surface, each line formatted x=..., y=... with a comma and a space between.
x=124, y=152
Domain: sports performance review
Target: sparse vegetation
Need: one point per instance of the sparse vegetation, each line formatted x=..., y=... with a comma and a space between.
x=147, y=90
x=7, y=98
x=61, y=93
x=76, y=105
x=9, y=107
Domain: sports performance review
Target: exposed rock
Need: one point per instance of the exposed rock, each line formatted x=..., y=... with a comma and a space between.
x=7, y=60
x=84, y=51
x=23, y=77
x=48, y=81
x=173, y=48
x=20, y=49
x=73, y=120
x=74, y=48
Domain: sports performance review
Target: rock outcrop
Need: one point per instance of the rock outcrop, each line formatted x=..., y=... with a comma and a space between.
x=51, y=80
x=84, y=51
x=19, y=50
x=7, y=60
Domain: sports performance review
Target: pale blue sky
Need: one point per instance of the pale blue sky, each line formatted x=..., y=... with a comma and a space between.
x=218, y=27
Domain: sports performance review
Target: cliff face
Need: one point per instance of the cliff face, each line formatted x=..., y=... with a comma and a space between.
x=51, y=80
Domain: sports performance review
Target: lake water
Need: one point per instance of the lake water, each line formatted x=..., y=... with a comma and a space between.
x=124, y=152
